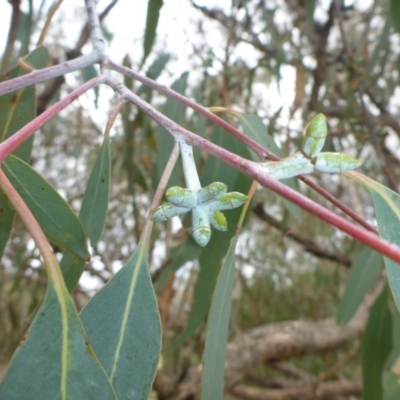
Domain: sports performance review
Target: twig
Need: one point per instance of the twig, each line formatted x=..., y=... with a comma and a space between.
x=253, y=145
x=9, y=145
x=95, y=31
x=256, y=171
x=309, y=245
x=50, y=72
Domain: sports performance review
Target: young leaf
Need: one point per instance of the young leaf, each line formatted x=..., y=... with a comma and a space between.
x=391, y=383
x=55, y=359
x=123, y=326
x=376, y=347
x=387, y=209
x=92, y=214
x=59, y=223
x=217, y=329
x=363, y=272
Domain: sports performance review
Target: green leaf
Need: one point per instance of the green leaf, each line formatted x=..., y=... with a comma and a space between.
x=16, y=110
x=392, y=387
x=391, y=382
x=55, y=359
x=387, y=209
x=310, y=7
x=363, y=273
x=94, y=207
x=123, y=326
x=187, y=251
x=153, y=14
x=7, y=214
x=92, y=214
x=376, y=347
x=254, y=127
x=153, y=72
x=217, y=329
x=59, y=223
x=395, y=14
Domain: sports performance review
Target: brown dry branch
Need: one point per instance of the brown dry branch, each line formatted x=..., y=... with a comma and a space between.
x=277, y=342
x=309, y=245
x=305, y=391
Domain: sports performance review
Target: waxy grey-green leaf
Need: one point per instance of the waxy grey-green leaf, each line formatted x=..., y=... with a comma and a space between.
x=376, y=347
x=123, y=326
x=92, y=214
x=363, y=273
x=55, y=359
x=59, y=223
x=217, y=329
x=387, y=209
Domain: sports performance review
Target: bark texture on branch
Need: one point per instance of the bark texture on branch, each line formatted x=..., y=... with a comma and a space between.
x=277, y=342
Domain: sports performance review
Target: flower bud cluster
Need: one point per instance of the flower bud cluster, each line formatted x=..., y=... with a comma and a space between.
x=310, y=157
x=205, y=205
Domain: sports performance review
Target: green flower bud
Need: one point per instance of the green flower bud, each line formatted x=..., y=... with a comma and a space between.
x=336, y=163
x=228, y=201
x=201, y=230
x=167, y=211
x=213, y=191
x=181, y=197
x=314, y=138
x=289, y=167
x=218, y=221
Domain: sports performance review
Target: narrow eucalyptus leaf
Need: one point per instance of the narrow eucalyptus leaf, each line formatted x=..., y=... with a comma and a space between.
x=181, y=197
x=316, y=132
x=213, y=191
x=217, y=329
x=59, y=223
x=218, y=221
x=167, y=211
x=201, y=231
x=289, y=167
x=336, y=163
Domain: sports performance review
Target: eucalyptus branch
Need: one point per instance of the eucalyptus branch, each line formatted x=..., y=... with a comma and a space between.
x=95, y=31
x=258, y=172
x=158, y=195
x=50, y=72
x=10, y=144
x=253, y=145
x=250, y=143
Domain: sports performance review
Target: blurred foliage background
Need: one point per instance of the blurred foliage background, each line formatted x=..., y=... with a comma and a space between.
x=282, y=60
